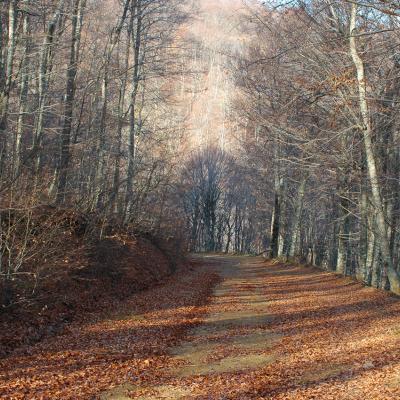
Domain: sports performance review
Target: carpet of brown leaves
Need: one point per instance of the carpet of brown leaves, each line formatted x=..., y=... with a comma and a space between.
x=84, y=279
x=341, y=340
x=110, y=349
x=335, y=339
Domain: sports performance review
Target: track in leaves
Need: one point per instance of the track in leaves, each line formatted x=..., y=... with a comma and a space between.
x=271, y=331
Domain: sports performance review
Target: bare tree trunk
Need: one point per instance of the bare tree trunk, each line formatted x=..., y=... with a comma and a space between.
x=137, y=43
x=228, y=237
x=294, y=245
x=100, y=130
x=117, y=163
x=65, y=152
x=341, y=262
x=382, y=226
x=6, y=89
x=121, y=115
x=361, y=272
x=24, y=92
x=282, y=226
x=370, y=256
x=276, y=217
x=46, y=55
x=343, y=237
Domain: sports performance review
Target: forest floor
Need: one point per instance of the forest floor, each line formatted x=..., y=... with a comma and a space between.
x=266, y=331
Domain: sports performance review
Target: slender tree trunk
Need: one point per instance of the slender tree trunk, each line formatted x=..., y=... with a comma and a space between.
x=333, y=234
x=137, y=43
x=276, y=217
x=364, y=244
x=100, y=128
x=6, y=89
x=370, y=256
x=382, y=226
x=228, y=238
x=65, y=151
x=23, y=104
x=282, y=227
x=343, y=238
x=294, y=245
x=121, y=115
x=45, y=64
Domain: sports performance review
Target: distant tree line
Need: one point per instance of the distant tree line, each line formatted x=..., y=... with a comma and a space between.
x=220, y=204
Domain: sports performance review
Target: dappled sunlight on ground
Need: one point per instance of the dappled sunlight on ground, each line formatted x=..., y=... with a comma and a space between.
x=110, y=349
x=270, y=331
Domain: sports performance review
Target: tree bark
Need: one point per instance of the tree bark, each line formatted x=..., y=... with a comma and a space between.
x=276, y=218
x=65, y=151
x=23, y=105
x=382, y=226
x=46, y=55
x=6, y=89
x=294, y=245
x=137, y=43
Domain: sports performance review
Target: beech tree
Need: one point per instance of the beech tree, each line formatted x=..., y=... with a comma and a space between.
x=77, y=89
x=323, y=110
x=88, y=115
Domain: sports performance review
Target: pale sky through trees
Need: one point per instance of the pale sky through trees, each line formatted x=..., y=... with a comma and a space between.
x=216, y=29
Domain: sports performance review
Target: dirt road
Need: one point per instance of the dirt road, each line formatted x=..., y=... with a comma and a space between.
x=266, y=331
x=283, y=332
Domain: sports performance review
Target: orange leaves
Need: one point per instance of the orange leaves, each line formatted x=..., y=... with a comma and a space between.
x=334, y=339
x=107, y=349
x=342, y=80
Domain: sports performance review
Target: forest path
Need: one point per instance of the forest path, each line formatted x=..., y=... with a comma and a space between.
x=232, y=338
x=268, y=331
x=276, y=331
